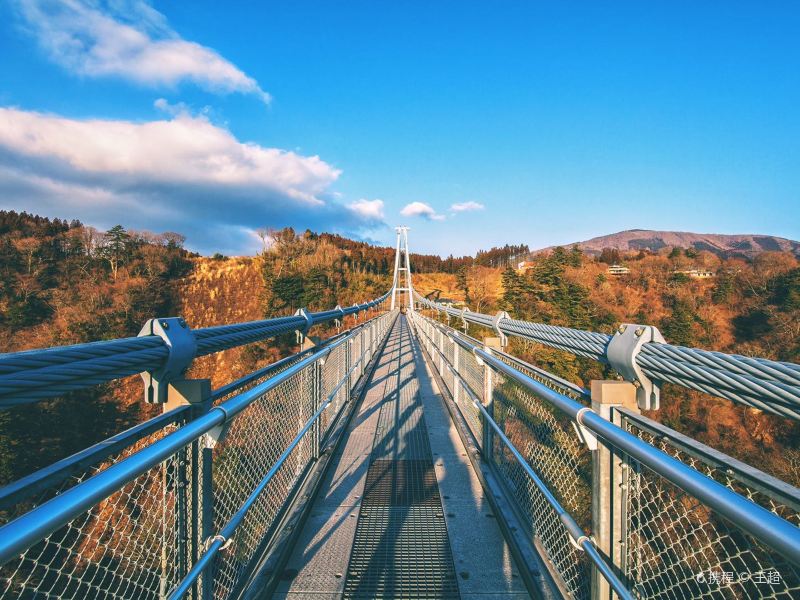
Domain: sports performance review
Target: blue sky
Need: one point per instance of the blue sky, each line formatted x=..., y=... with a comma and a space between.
x=544, y=123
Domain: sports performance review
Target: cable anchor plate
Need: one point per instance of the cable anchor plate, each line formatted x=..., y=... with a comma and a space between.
x=621, y=353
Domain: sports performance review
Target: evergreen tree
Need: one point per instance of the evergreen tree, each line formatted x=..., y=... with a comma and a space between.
x=677, y=328
x=575, y=257
x=461, y=283
x=512, y=293
x=723, y=290
x=786, y=294
x=116, y=244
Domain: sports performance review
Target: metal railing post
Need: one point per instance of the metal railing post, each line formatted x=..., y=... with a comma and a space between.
x=348, y=361
x=185, y=520
x=442, y=338
x=194, y=513
x=316, y=402
x=488, y=403
x=182, y=513
x=207, y=514
x=456, y=362
x=609, y=521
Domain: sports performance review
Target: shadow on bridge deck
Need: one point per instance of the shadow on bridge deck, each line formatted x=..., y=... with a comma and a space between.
x=400, y=512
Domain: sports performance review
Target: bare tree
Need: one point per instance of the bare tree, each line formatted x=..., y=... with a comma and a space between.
x=91, y=239
x=480, y=287
x=173, y=239
x=265, y=234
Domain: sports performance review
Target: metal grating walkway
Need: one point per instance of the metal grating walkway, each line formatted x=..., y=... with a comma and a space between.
x=400, y=514
x=401, y=548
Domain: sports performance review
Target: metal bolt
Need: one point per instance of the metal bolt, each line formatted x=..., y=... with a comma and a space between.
x=639, y=332
x=164, y=324
x=622, y=328
x=183, y=323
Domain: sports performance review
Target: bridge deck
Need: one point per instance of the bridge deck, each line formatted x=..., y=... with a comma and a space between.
x=400, y=512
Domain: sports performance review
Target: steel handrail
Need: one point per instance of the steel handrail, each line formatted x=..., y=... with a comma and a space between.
x=577, y=535
x=54, y=474
x=776, y=532
x=219, y=540
x=21, y=533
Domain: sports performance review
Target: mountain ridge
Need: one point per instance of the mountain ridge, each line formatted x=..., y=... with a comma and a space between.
x=745, y=245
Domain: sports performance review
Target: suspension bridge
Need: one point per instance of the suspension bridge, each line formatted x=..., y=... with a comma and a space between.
x=408, y=456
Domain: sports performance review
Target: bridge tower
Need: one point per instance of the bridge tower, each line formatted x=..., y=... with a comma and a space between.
x=402, y=248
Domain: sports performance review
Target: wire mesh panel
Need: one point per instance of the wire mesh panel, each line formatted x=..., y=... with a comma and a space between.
x=456, y=356
x=256, y=439
x=333, y=372
x=679, y=548
x=472, y=374
x=141, y=541
x=448, y=376
x=133, y=544
x=274, y=369
x=551, y=381
x=552, y=449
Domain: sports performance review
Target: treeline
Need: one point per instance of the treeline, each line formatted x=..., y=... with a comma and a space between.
x=62, y=282
x=749, y=307
x=380, y=259
x=319, y=271
x=502, y=256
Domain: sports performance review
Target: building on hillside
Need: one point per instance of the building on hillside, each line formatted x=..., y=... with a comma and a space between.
x=524, y=265
x=617, y=270
x=449, y=302
x=697, y=273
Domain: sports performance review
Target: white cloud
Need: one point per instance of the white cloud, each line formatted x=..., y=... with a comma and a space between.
x=131, y=40
x=368, y=209
x=184, y=173
x=183, y=150
x=420, y=209
x=467, y=206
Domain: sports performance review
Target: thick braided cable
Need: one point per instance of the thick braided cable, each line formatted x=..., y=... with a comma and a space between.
x=769, y=385
x=40, y=374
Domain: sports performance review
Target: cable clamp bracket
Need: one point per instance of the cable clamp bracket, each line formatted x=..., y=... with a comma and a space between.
x=583, y=433
x=496, y=324
x=218, y=538
x=338, y=322
x=182, y=347
x=301, y=333
x=464, y=312
x=579, y=542
x=621, y=353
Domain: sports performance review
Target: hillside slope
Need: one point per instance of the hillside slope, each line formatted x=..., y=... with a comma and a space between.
x=744, y=245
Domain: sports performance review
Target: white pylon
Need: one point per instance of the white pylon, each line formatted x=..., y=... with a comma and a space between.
x=402, y=247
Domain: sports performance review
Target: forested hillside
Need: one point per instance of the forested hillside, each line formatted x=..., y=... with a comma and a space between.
x=749, y=307
x=63, y=283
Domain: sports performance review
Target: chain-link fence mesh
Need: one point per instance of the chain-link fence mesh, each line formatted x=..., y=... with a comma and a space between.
x=141, y=541
x=673, y=545
x=334, y=371
x=127, y=546
x=679, y=548
x=548, y=442
x=547, y=379
x=250, y=448
x=552, y=449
